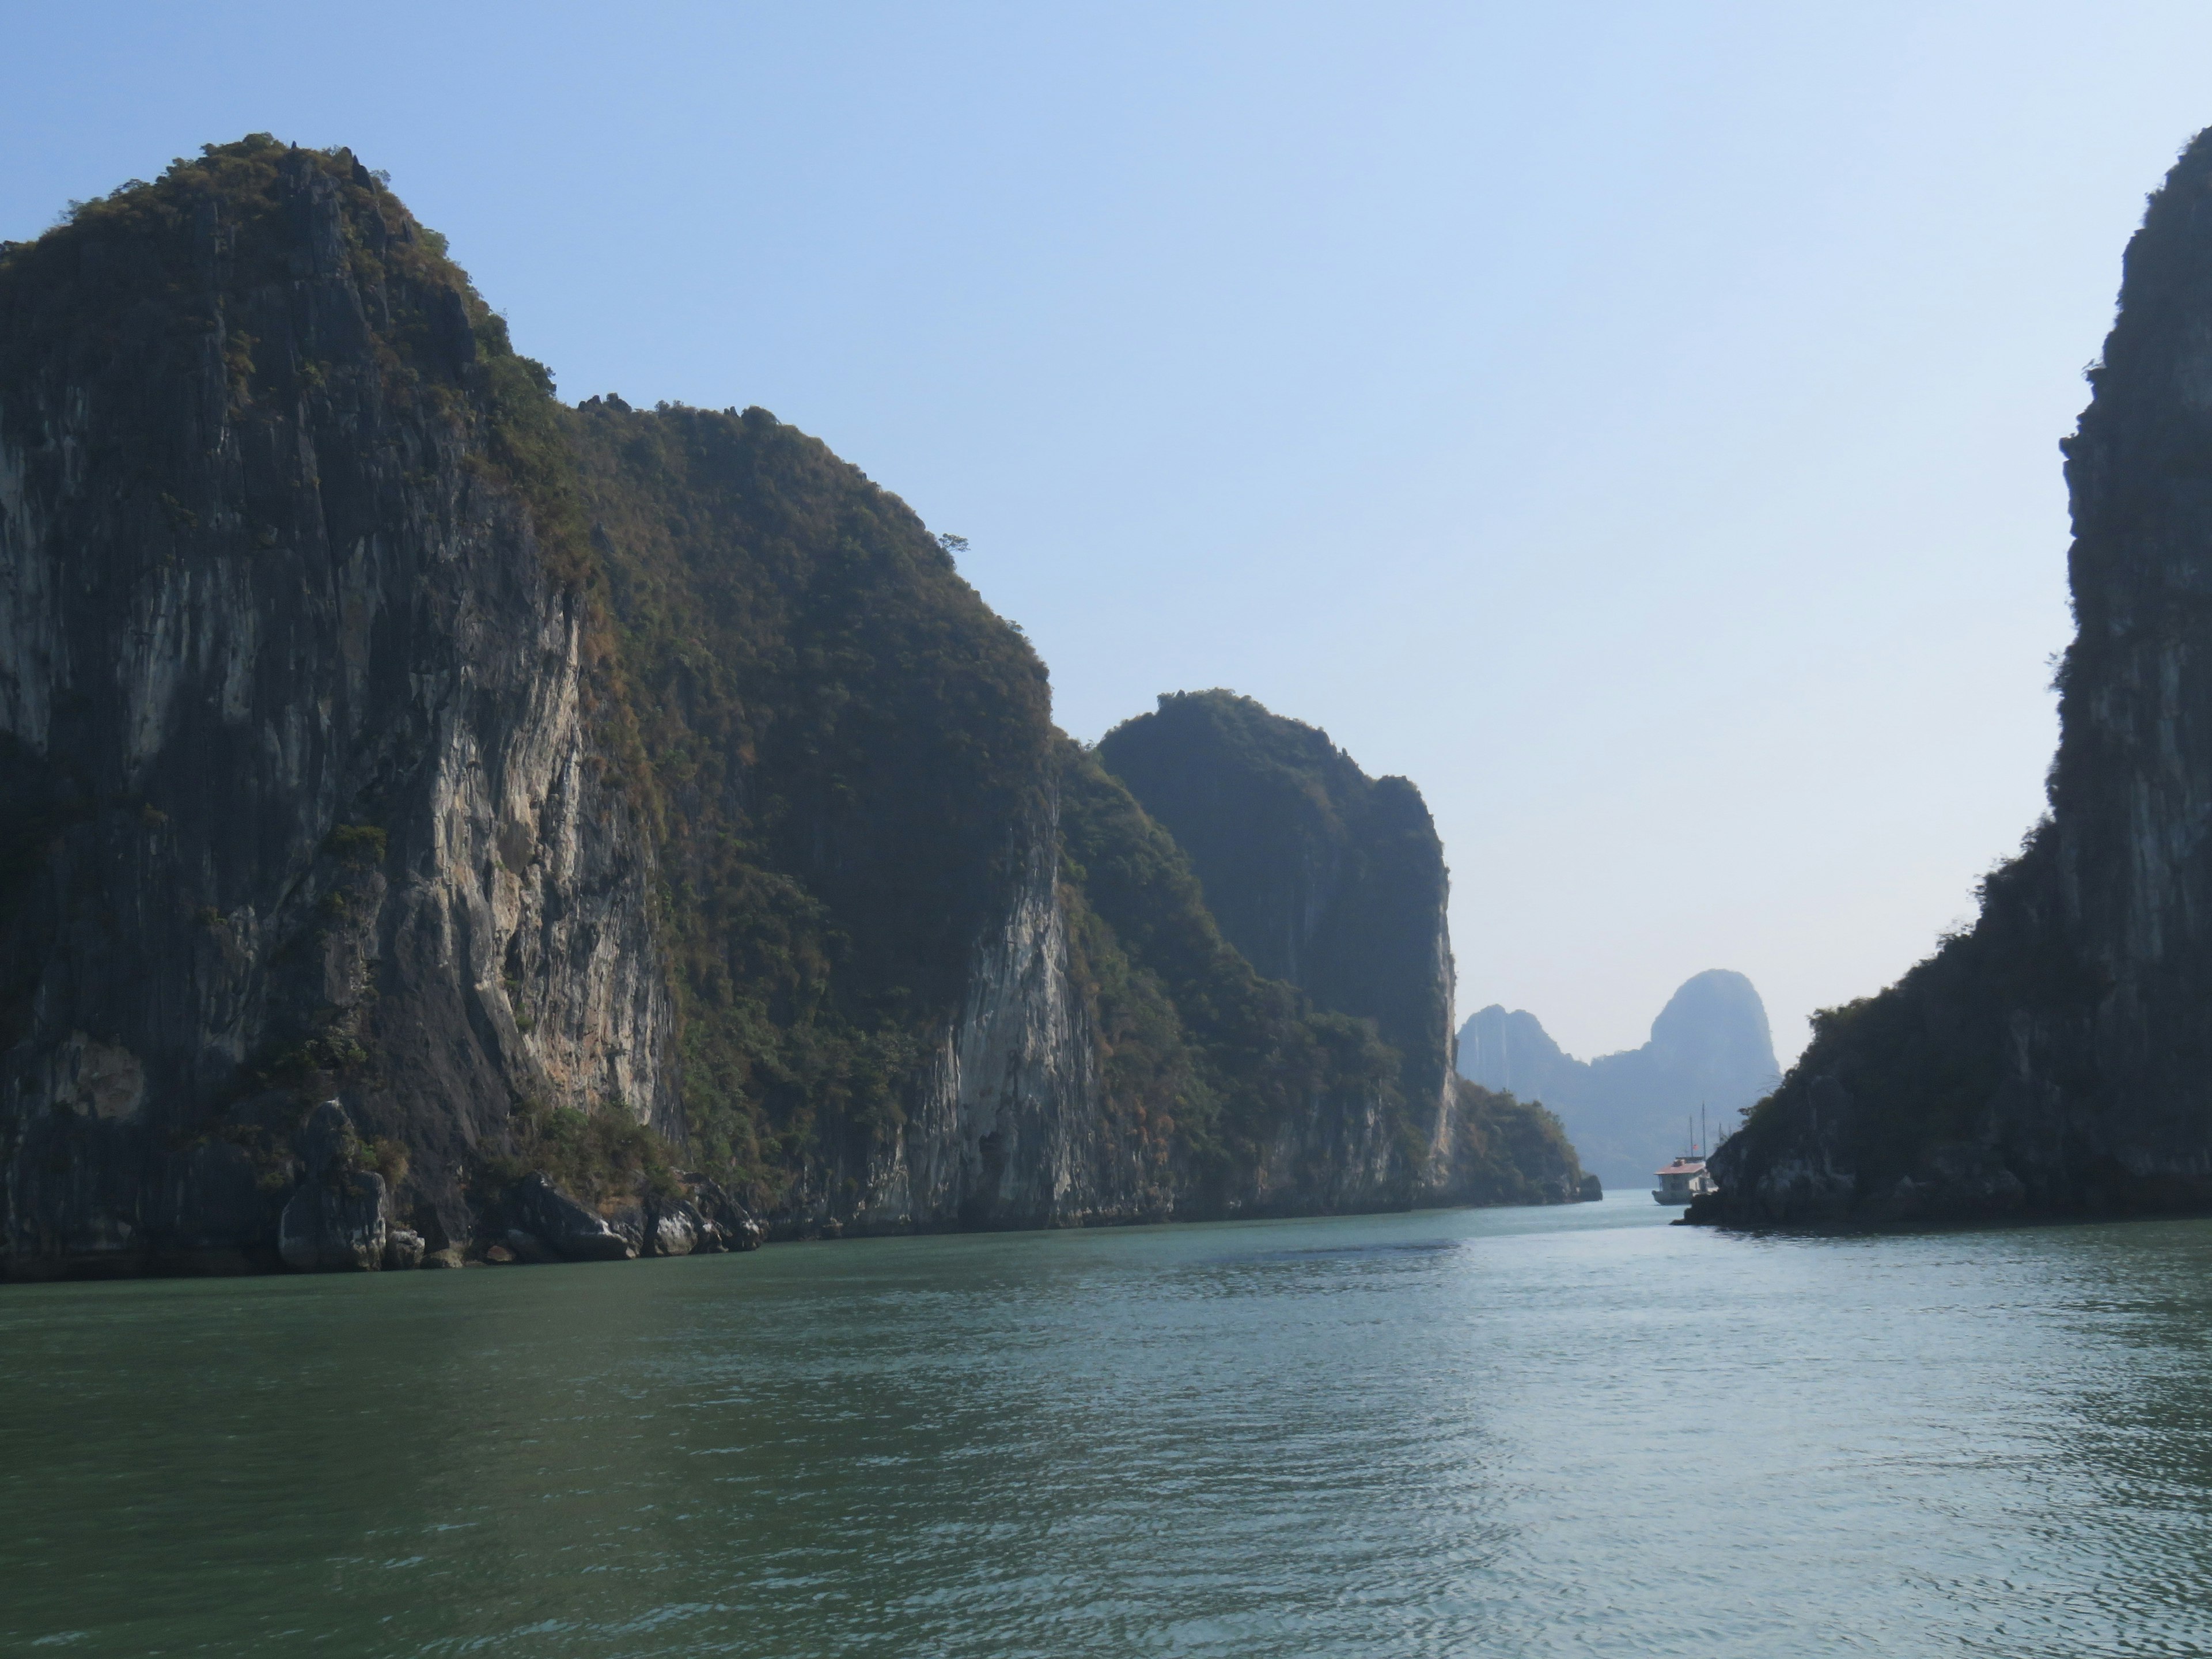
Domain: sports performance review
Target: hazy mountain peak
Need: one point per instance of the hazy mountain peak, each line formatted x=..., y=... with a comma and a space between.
x=1715, y=1020
x=1711, y=1047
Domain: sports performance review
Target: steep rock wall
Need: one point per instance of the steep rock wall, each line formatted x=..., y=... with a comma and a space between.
x=1320, y=875
x=298, y=796
x=1334, y=882
x=428, y=809
x=1007, y=1126
x=2054, y=1059
x=1253, y=1101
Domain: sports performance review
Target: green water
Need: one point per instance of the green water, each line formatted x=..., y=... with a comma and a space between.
x=1530, y=1431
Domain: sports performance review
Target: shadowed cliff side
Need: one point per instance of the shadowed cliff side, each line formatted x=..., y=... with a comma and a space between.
x=1334, y=882
x=2055, y=1058
x=1320, y=875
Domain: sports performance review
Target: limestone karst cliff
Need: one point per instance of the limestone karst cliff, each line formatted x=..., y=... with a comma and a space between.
x=436, y=820
x=1332, y=881
x=2052, y=1059
x=1320, y=875
x=298, y=781
x=1709, y=1049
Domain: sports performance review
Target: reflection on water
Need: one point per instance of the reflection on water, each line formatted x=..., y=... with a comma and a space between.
x=1559, y=1431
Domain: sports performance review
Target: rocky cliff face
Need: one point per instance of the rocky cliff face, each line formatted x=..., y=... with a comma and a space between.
x=1334, y=882
x=1322, y=876
x=2053, y=1060
x=298, y=790
x=1710, y=1049
x=438, y=822
x=1252, y=1101
x=1005, y=1128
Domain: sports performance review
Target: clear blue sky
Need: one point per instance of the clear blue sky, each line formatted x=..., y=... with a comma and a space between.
x=1634, y=422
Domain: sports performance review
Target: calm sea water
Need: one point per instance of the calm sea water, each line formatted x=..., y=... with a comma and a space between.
x=1513, y=1432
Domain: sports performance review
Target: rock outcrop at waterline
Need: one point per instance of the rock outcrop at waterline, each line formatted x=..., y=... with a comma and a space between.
x=424, y=806
x=2053, y=1060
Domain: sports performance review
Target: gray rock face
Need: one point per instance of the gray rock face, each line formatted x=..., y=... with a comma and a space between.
x=2052, y=1059
x=1004, y=1131
x=325, y=778
x=291, y=728
x=665, y=1226
x=540, y=1211
x=1628, y=1113
x=334, y=1222
x=721, y=1220
x=674, y=1233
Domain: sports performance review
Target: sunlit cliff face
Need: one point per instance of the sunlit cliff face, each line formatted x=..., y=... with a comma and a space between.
x=634, y=801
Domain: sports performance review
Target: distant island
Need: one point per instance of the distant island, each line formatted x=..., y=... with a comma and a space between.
x=1709, y=1048
x=440, y=824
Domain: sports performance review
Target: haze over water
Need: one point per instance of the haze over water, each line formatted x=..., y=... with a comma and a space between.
x=1516, y=1432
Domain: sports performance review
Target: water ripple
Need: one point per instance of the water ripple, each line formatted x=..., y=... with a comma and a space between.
x=1530, y=1432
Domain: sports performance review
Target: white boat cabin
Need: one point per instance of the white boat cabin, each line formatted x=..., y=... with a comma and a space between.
x=1683, y=1180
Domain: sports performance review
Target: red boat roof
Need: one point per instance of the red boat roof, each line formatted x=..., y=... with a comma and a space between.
x=1682, y=1166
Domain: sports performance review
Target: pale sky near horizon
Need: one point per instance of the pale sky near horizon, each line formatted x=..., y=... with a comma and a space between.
x=1636, y=424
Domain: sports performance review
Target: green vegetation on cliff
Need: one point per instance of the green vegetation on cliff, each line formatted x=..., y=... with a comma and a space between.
x=2054, y=1058
x=1320, y=875
x=841, y=746
x=1508, y=1151
x=1193, y=1039
x=1923, y=1065
x=814, y=832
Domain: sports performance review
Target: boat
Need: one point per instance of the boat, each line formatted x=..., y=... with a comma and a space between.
x=1684, y=1179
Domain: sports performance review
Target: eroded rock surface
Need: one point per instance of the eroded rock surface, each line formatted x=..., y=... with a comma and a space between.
x=335, y=1220
x=295, y=773
x=567, y=792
